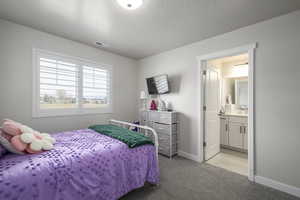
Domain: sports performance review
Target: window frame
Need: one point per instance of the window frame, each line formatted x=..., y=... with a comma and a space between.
x=79, y=110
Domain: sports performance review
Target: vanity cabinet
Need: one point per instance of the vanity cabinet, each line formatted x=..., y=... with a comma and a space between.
x=224, y=131
x=236, y=138
x=233, y=132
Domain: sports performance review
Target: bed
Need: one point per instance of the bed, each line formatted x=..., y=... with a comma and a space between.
x=83, y=165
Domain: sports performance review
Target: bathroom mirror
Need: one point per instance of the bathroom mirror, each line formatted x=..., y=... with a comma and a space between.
x=237, y=90
x=241, y=92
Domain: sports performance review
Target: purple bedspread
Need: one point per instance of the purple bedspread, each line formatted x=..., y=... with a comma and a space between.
x=83, y=165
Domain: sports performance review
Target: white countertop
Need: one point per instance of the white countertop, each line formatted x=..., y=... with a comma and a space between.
x=233, y=115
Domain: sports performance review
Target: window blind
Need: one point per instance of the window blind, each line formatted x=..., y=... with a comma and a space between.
x=58, y=83
x=67, y=85
x=96, y=86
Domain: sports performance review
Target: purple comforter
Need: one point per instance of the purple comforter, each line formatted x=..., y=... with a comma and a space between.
x=83, y=165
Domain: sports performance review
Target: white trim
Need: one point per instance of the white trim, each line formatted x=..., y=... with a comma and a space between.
x=202, y=60
x=189, y=156
x=72, y=58
x=228, y=52
x=71, y=112
x=251, y=112
x=37, y=112
x=278, y=185
x=35, y=82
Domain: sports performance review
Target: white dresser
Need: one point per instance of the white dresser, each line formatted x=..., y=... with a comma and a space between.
x=234, y=132
x=166, y=125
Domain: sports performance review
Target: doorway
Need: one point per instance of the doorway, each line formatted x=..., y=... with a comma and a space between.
x=225, y=117
x=226, y=109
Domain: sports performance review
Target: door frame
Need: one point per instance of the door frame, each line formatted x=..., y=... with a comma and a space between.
x=202, y=62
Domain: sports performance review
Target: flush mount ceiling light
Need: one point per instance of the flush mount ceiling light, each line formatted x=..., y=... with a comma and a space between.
x=130, y=4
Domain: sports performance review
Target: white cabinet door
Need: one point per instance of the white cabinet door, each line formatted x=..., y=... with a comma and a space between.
x=245, y=146
x=236, y=137
x=224, y=131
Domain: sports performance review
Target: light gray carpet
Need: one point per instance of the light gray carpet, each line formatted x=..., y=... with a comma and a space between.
x=188, y=180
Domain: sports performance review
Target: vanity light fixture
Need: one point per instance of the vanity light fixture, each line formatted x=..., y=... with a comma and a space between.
x=130, y=4
x=240, y=70
x=241, y=64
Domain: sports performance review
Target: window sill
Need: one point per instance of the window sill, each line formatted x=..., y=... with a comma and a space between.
x=70, y=112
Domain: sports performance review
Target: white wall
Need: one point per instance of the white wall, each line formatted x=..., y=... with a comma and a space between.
x=277, y=93
x=16, y=43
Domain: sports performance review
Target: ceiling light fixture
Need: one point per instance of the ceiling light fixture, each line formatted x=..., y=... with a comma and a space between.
x=130, y=4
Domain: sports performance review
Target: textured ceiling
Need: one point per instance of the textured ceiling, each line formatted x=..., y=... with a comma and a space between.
x=157, y=26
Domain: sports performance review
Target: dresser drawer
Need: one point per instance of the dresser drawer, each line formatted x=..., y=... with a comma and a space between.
x=162, y=117
x=165, y=150
x=165, y=140
x=165, y=128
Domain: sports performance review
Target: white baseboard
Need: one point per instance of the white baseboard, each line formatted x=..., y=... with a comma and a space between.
x=189, y=156
x=278, y=185
x=258, y=179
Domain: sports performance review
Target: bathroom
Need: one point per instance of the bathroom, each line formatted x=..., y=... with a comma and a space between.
x=231, y=134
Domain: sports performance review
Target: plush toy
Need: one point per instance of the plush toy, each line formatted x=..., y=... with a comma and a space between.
x=25, y=139
x=153, y=105
x=37, y=141
x=11, y=127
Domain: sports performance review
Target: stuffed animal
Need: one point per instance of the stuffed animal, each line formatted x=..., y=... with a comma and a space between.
x=37, y=141
x=25, y=139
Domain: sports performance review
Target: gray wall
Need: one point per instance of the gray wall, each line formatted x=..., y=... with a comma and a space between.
x=277, y=92
x=16, y=43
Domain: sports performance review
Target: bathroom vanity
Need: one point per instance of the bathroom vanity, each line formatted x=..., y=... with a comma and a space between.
x=234, y=131
x=234, y=122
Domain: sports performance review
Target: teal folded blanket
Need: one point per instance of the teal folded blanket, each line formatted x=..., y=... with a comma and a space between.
x=131, y=138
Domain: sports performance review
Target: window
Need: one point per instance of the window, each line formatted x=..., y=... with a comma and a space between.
x=95, y=87
x=66, y=85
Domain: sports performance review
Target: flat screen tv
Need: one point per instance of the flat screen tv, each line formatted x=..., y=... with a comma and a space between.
x=158, y=85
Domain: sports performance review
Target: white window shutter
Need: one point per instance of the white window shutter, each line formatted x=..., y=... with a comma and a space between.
x=67, y=85
x=58, y=84
x=96, y=87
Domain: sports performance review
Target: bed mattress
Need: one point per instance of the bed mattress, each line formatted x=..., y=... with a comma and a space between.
x=83, y=165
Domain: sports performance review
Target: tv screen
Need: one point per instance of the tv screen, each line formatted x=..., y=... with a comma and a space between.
x=158, y=84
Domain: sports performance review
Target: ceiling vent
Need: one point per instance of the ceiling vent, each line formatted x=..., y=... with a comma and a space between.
x=101, y=44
